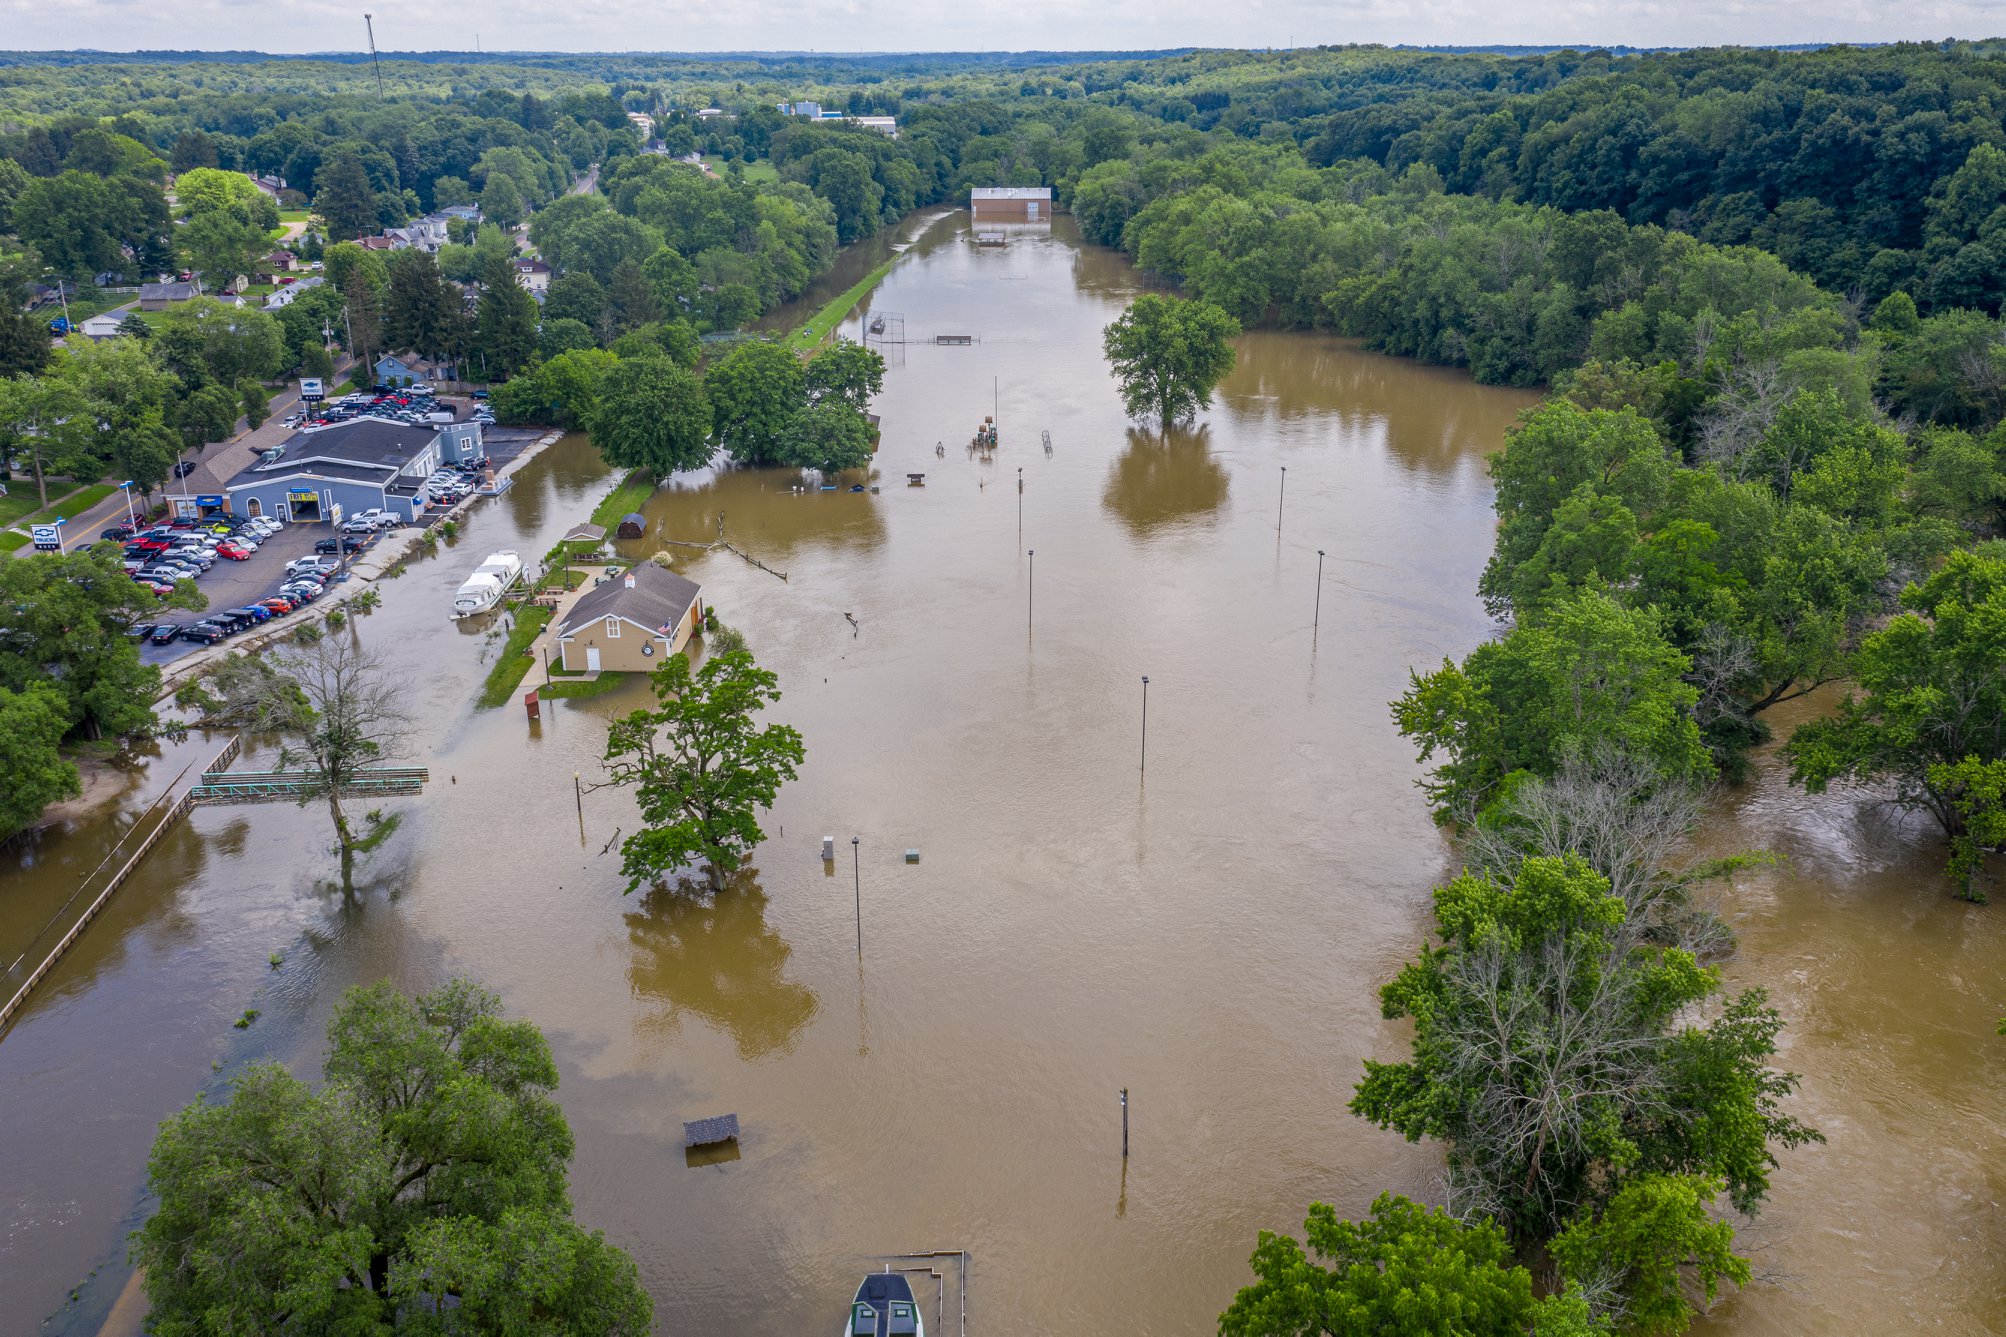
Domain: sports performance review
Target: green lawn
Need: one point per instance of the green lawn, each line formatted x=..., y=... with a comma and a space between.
x=68, y=508
x=512, y=663
x=762, y=170
x=830, y=316
x=629, y=496
x=590, y=687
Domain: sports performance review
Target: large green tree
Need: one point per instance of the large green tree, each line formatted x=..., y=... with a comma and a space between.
x=345, y=199
x=1559, y=1055
x=1931, y=712
x=1403, y=1270
x=33, y=721
x=504, y=323
x=829, y=436
x=421, y=1189
x=755, y=392
x=1169, y=354
x=701, y=767
x=848, y=373
x=651, y=414
x=63, y=621
x=1591, y=676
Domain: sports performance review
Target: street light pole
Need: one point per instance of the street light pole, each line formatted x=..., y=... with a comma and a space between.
x=857, y=875
x=1317, y=619
x=131, y=517
x=1145, y=722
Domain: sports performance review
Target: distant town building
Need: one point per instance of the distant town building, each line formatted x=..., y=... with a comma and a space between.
x=160, y=296
x=533, y=275
x=1011, y=204
x=290, y=293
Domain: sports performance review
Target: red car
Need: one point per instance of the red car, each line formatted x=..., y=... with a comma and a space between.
x=279, y=606
x=162, y=590
x=233, y=552
x=151, y=545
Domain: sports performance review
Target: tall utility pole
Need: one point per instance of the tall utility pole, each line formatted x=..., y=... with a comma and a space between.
x=369, y=22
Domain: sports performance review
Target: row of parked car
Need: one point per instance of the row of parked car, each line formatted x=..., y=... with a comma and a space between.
x=306, y=579
x=412, y=404
x=162, y=557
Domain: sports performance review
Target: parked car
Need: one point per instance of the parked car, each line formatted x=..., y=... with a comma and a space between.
x=183, y=469
x=236, y=552
x=300, y=592
x=139, y=631
x=347, y=543
x=255, y=612
x=153, y=586
x=165, y=633
x=118, y=532
x=305, y=565
x=203, y=633
x=162, y=575
x=279, y=606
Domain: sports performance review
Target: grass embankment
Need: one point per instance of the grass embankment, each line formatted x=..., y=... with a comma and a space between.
x=68, y=508
x=514, y=660
x=830, y=316
x=633, y=492
x=578, y=689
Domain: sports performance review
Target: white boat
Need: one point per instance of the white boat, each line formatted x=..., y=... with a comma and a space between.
x=884, y=1307
x=490, y=580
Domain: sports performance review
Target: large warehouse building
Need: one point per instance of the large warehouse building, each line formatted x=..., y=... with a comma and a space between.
x=323, y=473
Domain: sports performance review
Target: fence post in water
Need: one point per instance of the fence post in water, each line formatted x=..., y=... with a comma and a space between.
x=578, y=792
x=1281, y=497
x=1145, y=722
x=856, y=873
x=1124, y=1123
x=1031, y=589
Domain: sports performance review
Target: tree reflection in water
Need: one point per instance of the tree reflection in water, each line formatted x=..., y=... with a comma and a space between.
x=1165, y=478
x=715, y=958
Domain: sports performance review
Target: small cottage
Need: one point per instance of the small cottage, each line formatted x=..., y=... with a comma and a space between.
x=632, y=623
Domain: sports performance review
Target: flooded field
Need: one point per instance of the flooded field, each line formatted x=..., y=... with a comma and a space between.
x=1209, y=932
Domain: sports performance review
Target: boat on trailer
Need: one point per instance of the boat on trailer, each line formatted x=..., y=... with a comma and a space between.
x=884, y=1307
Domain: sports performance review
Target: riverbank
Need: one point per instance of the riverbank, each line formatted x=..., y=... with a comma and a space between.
x=824, y=322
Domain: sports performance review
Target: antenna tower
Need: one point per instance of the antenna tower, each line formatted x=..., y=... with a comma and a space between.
x=369, y=23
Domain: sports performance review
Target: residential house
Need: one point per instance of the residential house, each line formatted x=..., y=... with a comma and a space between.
x=269, y=184
x=105, y=326
x=281, y=262
x=392, y=240
x=160, y=296
x=400, y=369
x=533, y=275
x=709, y=113
x=632, y=623
x=290, y=293
x=363, y=464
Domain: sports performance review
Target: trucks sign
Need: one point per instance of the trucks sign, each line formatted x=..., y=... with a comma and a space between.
x=310, y=388
x=48, y=538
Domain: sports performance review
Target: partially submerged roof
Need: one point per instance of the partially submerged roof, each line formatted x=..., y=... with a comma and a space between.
x=657, y=599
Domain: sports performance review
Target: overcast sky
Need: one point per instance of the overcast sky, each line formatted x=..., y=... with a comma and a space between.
x=964, y=25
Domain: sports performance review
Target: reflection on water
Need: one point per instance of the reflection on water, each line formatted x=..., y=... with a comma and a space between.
x=1165, y=477
x=765, y=512
x=1425, y=415
x=715, y=957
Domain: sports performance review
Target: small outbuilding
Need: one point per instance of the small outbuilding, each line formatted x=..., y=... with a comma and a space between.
x=632, y=623
x=633, y=525
x=160, y=296
x=587, y=533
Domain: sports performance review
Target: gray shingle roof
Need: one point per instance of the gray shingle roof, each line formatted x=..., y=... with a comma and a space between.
x=658, y=599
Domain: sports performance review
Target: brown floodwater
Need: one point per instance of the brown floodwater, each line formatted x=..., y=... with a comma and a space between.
x=1209, y=933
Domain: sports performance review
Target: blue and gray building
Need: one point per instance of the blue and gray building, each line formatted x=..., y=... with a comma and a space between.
x=322, y=473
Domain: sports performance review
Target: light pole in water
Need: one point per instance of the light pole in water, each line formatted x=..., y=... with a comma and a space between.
x=1318, y=618
x=1281, y=497
x=857, y=875
x=1031, y=588
x=1145, y=722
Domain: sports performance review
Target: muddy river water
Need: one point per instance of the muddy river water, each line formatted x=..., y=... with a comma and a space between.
x=1208, y=933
